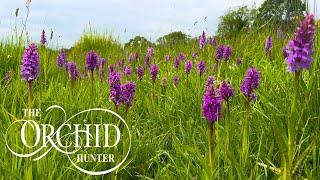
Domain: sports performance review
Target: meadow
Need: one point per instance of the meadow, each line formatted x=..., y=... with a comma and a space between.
x=170, y=136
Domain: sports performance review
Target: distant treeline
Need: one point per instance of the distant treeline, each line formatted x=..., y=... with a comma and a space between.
x=278, y=14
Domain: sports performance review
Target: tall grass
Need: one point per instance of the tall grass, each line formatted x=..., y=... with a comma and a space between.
x=169, y=135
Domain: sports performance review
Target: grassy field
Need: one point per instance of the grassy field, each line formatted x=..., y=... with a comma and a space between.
x=170, y=136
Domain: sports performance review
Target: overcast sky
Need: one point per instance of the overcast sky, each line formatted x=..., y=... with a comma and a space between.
x=123, y=18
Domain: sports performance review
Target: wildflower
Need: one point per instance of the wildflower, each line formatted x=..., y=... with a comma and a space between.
x=268, y=44
x=284, y=52
x=127, y=93
x=127, y=70
x=227, y=52
x=150, y=51
x=211, y=105
x=30, y=63
x=102, y=64
x=220, y=52
x=140, y=72
x=30, y=67
x=239, y=61
x=120, y=63
x=226, y=90
x=299, y=50
x=167, y=57
x=202, y=40
x=223, y=52
x=250, y=83
x=209, y=82
x=182, y=57
x=133, y=57
x=73, y=71
x=110, y=69
x=201, y=66
x=212, y=41
x=92, y=61
x=147, y=61
x=43, y=39
x=188, y=67
x=194, y=55
x=115, y=88
x=154, y=72
x=176, y=80
x=176, y=63
x=62, y=59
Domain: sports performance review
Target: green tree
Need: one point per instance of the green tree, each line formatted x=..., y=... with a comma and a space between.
x=173, y=38
x=236, y=20
x=280, y=12
x=138, y=41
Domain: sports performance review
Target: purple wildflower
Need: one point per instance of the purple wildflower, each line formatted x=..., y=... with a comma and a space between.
x=127, y=70
x=43, y=39
x=130, y=57
x=300, y=50
x=150, y=51
x=120, y=63
x=212, y=41
x=227, y=52
x=110, y=69
x=154, y=72
x=211, y=105
x=167, y=57
x=140, y=72
x=30, y=63
x=133, y=57
x=284, y=52
x=239, y=61
x=223, y=52
x=102, y=64
x=202, y=40
x=188, y=67
x=176, y=63
x=209, y=82
x=115, y=88
x=194, y=55
x=72, y=70
x=136, y=56
x=176, y=80
x=201, y=66
x=127, y=93
x=182, y=57
x=268, y=44
x=226, y=90
x=147, y=61
x=92, y=59
x=250, y=83
x=220, y=52
x=62, y=58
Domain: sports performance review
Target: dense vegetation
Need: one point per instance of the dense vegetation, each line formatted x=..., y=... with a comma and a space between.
x=170, y=136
